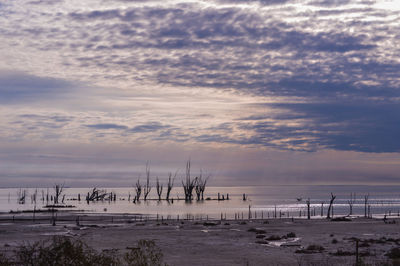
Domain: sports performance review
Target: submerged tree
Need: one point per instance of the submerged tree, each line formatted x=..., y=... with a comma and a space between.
x=147, y=188
x=159, y=189
x=98, y=195
x=138, y=189
x=200, y=186
x=308, y=202
x=21, y=196
x=351, y=202
x=58, y=188
x=366, y=197
x=330, y=206
x=188, y=184
x=170, y=184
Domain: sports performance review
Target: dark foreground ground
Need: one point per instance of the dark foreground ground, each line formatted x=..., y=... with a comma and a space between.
x=260, y=242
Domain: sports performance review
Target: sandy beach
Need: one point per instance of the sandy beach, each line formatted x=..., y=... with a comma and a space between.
x=256, y=242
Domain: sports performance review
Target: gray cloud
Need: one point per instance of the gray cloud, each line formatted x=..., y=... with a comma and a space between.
x=107, y=126
x=149, y=127
x=19, y=86
x=330, y=56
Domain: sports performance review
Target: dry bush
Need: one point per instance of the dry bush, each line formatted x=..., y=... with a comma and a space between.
x=63, y=251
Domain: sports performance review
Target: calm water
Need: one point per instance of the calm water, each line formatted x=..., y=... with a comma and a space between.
x=262, y=201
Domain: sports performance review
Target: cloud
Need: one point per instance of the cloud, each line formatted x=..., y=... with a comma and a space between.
x=363, y=127
x=107, y=126
x=19, y=86
x=330, y=3
x=325, y=56
x=149, y=127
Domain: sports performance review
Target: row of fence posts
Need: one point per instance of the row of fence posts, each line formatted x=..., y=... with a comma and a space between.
x=250, y=215
x=276, y=214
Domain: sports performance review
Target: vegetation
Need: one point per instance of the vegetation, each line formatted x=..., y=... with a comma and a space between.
x=62, y=251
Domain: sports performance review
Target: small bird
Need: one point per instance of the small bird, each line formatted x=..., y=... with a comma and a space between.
x=299, y=199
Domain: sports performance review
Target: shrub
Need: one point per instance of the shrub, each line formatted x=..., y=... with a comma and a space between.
x=145, y=254
x=274, y=238
x=315, y=247
x=257, y=231
x=63, y=251
x=394, y=253
x=291, y=235
x=311, y=249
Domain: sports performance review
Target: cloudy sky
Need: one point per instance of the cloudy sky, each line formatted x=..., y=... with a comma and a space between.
x=254, y=92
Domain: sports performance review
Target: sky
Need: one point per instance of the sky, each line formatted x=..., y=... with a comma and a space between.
x=253, y=92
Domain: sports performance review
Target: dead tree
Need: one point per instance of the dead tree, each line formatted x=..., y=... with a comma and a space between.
x=189, y=184
x=200, y=186
x=97, y=195
x=170, y=184
x=58, y=189
x=351, y=202
x=159, y=189
x=330, y=206
x=21, y=196
x=197, y=182
x=138, y=189
x=147, y=188
x=308, y=202
x=366, y=197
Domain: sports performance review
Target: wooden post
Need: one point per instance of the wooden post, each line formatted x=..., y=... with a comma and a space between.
x=357, y=261
x=249, y=212
x=322, y=209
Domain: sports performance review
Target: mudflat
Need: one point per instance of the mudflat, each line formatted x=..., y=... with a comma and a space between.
x=226, y=242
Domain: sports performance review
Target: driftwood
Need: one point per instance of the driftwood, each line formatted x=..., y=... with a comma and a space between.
x=98, y=195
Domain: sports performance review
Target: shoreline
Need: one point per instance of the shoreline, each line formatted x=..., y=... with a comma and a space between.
x=227, y=242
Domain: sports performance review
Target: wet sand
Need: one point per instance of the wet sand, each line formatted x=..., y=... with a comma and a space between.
x=220, y=242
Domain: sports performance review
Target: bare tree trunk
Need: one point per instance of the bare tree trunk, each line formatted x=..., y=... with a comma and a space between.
x=322, y=209
x=159, y=189
x=138, y=189
x=200, y=186
x=351, y=202
x=366, y=197
x=189, y=184
x=308, y=202
x=330, y=206
x=147, y=188
x=170, y=184
x=58, y=191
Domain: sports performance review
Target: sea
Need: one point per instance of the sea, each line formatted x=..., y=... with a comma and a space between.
x=255, y=202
